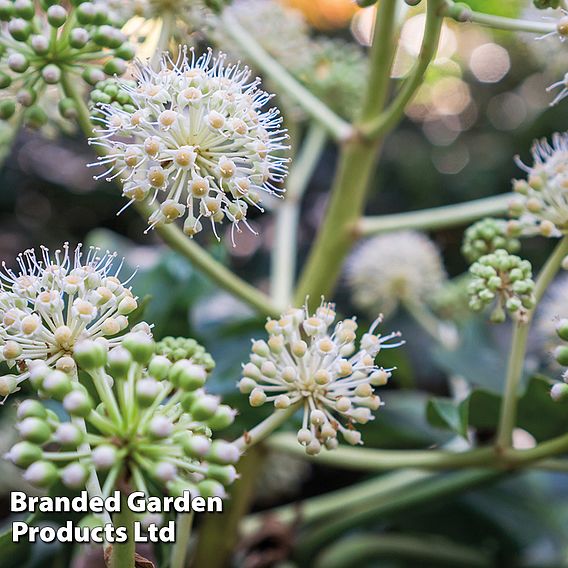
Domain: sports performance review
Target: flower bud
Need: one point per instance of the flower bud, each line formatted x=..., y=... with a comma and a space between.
x=257, y=397
x=195, y=445
x=119, y=362
x=51, y=74
x=165, y=471
x=204, y=407
x=140, y=345
x=147, y=390
x=34, y=430
x=211, y=488
x=57, y=384
x=223, y=474
x=69, y=435
x=160, y=427
x=41, y=474
x=187, y=376
x=90, y=354
x=56, y=15
x=104, y=457
x=223, y=453
x=74, y=475
x=223, y=418
x=23, y=454
x=159, y=367
x=31, y=409
x=78, y=403
x=8, y=385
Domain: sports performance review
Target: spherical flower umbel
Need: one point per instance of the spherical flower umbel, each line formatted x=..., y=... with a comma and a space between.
x=54, y=43
x=198, y=142
x=154, y=424
x=55, y=299
x=389, y=269
x=311, y=362
x=505, y=280
x=486, y=236
x=176, y=348
x=542, y=202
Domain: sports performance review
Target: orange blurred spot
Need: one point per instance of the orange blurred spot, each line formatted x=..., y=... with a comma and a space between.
x=325, y=14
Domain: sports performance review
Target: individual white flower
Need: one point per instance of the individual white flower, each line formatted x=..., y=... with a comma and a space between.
x=542, y=202
x=386, y=270
x=307, y=361
x=55, y=300
x=563, y=93
x=198, y=142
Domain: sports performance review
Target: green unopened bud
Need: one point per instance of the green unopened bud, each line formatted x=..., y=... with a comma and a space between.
x=562, y=329
x=561, y=355
x=31, y=409
x=178, y=487
x=78, y=403
x=544, y=4
x=125, y=51
x=23, y=454
x=57, y=385
x=159, y=367
x=559, y=392
x=69, y=435
x=210, y=488
x=147, y=390
x=34, y=430
x=35, y=117
x=223, y=453
x=51, y=74
x=90, y=354
x=140, y=346
x=18, y=62
x=104, y=457
x=38, y=373
x=41, y=474
x=79, y=38
x=119, y=362
x=204, y=407
x=74, y=475
x=40, y=44
x=187, y=376
x=93, y=75
x=222, y=419
x=20, y=29
x=67, y=108
x=114, y=67
x=6, y=10
x=56, y=15
x=24, y=9
x=194, y=445
x=86, y=13
x=225, y=474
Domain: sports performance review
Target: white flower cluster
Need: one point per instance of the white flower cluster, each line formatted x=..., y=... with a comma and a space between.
x=414, y=271
x=198, y=142
x=306, y=362
x=542, y=202
x=56, y=300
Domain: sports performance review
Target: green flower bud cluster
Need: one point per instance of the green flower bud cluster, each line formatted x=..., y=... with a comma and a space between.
x=559, y=391
x=110, y=92
x=451, y=301
x=504, y=280
x=153, y=422
x=485, y=237
x=176, y=348
x=54, y=43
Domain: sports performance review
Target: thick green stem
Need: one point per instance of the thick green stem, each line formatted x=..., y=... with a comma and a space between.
x=369, y=459
x=462, y=13
x=508, y=413
x=379, y=125
x=83, y=115
x=336, y=126
x=434, y=218
x=123, y=553
x=288, y=214
x=317, y=508
x=356, y=164
x=515, y=365
x=266, y=427
x=219, y=533
x=358, y=550
x=203, y=261
x=430, y=489
x=168, y=23
x=183, y=535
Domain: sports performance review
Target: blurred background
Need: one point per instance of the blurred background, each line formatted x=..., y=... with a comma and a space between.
x=483, y=102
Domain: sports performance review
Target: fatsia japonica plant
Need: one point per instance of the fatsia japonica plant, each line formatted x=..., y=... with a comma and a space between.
x=207, y=121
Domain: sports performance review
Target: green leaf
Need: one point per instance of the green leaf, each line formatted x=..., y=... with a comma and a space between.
x=448, y=414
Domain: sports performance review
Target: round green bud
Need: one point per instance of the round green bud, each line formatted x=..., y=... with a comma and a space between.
x=56, y=15
x=5, y=80
x=18, y=62
x=559, y=392
x=69, y=435
x=225, y=474
x=210, y=488
x=125, y=51
x=188, y=376
x=86, y=13
x=20, y=29
x=561, y=355
x=35, y=117
x=90, y=354
x=93, y=75
x=119, y=362
x=222, y=419
x=140, y=345
x=40, y=44
x=178, y=487
x=24, y=9
x=147, y=390
x=194, y=445
x=23, y=454
x=41, y=474
x=38, y=373
x=57, y=384
x=31, y=409
x=51, y=74
x=34, y=430
x=104, y=457
x=562, y=329
x=204, y=407
x=114, y=67
x=67, y=108
x=6, y=10
x=223, y=453
x=79, y=38
x=159, y=367
x=78, y=403
x=74, y=475
x=7, y=109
